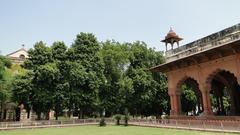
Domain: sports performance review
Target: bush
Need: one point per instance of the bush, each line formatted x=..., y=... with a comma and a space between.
x=117, y=117
x=102, y=122
x=125, y=118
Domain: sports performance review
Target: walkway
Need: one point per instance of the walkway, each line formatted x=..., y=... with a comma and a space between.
x=203, y=125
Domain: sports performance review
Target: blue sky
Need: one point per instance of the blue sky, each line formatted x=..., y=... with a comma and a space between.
x=29, y=21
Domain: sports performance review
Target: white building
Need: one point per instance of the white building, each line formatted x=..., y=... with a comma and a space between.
x=18, y=56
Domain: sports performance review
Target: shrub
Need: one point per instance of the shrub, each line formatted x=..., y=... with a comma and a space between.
x=102, y=122
x=117, y=117
x=125, y=118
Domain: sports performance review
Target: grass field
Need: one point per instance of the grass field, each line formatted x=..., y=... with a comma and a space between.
x=109, y=130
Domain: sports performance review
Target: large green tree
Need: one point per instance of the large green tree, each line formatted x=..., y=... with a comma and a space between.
x=45, y=77
x=40, y=54
x=84, y=54
x=115, y=57
x=91, y=77
x=22, y=90
x=61, y=88
x=5, y=81
x=147, y=86
x=49, y=82
x=188, y=99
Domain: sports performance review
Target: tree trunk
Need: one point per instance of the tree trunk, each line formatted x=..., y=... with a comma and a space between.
x=28, y=113
x=70, y=113
x=80, y=114
x=47, y=115
x=18, y=114
x=38, y=115
x=56, y=114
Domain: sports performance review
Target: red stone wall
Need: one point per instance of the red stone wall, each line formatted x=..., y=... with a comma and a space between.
x=203, y=74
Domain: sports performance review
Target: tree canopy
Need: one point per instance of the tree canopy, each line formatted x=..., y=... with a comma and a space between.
x=92, y=77
x=5, y=80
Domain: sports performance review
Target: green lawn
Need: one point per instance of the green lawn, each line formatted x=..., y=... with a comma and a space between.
x=109, y=130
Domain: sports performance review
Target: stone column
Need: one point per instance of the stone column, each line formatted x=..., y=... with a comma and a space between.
x=175, y=103
x=166, y=46
x=232, y=99
x=238, y=68
x=178, y=104
x=201, y=102
x=23, y=115
x=207, y=103
x=172, y=104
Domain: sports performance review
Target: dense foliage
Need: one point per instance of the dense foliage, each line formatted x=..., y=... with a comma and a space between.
x=188, y=99
x=90, y=78
x=5, y=80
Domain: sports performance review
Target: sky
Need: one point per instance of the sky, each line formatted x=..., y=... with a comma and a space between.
x=29, y=21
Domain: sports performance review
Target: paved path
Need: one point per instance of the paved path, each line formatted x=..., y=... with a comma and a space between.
x=144, y=124
x=47, y=126
x=183, y=127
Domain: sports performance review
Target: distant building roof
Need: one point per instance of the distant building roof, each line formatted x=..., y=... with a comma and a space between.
x=18, y=56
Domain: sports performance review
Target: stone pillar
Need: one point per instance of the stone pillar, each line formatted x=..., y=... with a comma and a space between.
x=201, y=103
x=238, y=69
x=232, y=99
x=175, y=103
x=166, y=46
x=23, y=115
x=206, y=103
x=172, y=104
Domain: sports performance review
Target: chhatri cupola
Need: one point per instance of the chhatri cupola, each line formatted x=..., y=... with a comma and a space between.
x=171, y=38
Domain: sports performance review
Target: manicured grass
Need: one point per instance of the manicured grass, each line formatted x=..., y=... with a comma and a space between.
x=109, y=130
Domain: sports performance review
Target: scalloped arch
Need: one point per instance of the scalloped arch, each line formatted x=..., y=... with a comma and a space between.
x=180, y=83
x=214, y=73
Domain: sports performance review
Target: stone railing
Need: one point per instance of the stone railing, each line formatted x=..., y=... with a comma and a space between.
x=218, y=125
x=223, y=37
x=190, y=124
x=51, y=123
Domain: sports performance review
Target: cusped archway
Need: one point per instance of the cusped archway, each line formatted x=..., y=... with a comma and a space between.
x=191, y=97
x=224, y=92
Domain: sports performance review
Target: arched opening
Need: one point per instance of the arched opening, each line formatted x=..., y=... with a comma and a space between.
x=224, y=94
x=22, y=57
x=191, y=97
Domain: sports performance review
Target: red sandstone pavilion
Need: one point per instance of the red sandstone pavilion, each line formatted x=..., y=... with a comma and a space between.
x=211, y=66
